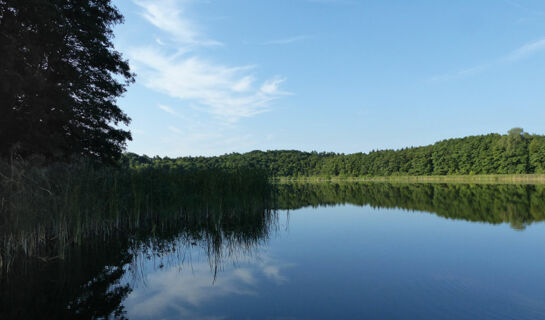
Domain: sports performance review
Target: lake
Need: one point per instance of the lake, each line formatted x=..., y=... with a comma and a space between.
x=322, y=251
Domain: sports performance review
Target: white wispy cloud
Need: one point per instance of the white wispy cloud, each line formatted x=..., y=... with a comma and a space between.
x=287, y=40
x=333, y=1
x=175, y=130
x=520, y=53
x=227, y=92
x=167, y=109
x=524, y=8
x=461, y=73
x=168, y=16
x=189, y=133
x=526, y=50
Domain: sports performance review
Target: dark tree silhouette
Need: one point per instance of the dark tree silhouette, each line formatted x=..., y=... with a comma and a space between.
x=59, y=79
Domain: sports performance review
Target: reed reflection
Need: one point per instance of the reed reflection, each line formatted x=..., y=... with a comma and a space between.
x=94, y=278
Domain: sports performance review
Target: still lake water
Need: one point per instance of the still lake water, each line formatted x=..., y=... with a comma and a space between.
x=329, y=251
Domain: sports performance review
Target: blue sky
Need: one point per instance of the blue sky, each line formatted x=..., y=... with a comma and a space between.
x=216, y=77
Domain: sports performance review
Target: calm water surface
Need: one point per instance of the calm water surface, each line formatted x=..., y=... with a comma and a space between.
x=359, y=262
x=351, y=251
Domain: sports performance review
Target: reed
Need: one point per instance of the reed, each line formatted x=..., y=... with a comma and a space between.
x=47, y=208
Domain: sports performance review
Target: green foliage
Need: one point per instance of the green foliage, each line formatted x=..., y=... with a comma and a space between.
x=536, y=150
x=514, y=153
x=60, y=77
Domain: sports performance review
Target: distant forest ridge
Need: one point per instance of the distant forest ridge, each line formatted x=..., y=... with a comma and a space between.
x=516, y=152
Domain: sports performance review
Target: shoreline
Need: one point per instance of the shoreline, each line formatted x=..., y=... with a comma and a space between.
x=465, y=179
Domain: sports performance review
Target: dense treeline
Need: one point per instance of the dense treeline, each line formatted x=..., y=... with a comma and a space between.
x=514, y=153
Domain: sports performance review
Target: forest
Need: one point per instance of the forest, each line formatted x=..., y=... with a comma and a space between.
x=516, y=152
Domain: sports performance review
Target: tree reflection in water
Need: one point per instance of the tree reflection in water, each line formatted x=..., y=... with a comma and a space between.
x=88, y=281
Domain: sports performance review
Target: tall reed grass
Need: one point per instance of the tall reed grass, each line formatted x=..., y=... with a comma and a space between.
x=45, y=208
